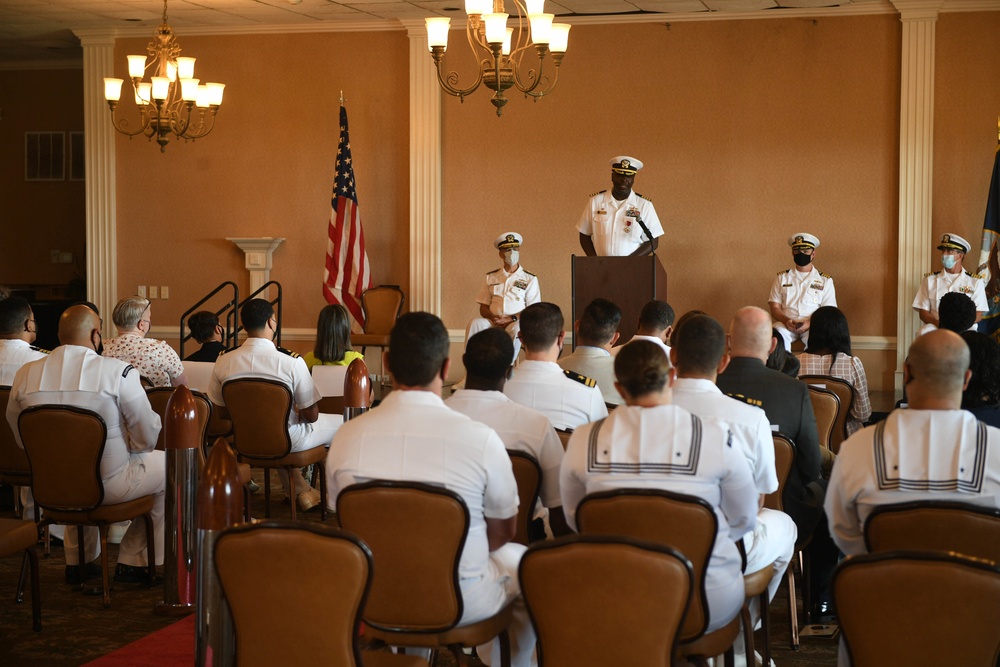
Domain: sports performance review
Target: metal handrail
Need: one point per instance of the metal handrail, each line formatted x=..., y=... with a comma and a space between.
x=231, y=310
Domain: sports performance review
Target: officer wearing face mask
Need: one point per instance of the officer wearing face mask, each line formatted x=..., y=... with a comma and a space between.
x=952, y=279
x=506, y=292
x=799, y=291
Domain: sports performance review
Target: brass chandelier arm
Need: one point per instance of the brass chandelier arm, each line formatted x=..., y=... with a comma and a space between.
x=120, y=124
x=449, y=83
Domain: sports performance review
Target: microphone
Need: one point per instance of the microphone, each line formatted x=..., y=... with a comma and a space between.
x=645, y=229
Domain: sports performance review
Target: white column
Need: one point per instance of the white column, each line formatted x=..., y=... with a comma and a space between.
x=425, y=174
x=916, y=163
x=258, y=253
x=99, y=137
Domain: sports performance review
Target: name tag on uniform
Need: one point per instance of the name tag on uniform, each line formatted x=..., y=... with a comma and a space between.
x=521, y=284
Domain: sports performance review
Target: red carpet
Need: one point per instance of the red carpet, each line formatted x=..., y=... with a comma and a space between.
x=173, y=645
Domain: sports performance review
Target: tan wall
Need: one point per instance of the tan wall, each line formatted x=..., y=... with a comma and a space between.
x=39, y=216
x=267, y=169
x=750, y=131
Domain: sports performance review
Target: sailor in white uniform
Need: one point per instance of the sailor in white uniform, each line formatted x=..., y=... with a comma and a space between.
x=619, y=222
x=798, y=292
x=953, y=278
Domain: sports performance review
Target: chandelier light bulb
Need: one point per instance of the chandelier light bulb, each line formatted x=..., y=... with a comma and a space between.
x=185, y=67
x=478, y=7
x=215, y=93
x=534, y=7
x=560, y=37
x=136, y=66
x=161, y=87
x=144, y=93
x=506, y=42
x=496, y=27
x=541, y=28
x=437, y=31
x=201, y=101
x=112, y=89
x=189, y=90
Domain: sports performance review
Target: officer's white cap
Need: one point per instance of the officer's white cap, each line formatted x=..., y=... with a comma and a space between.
x=624, y=164
x=803, y=240
x=954, y=242
x=508, y=240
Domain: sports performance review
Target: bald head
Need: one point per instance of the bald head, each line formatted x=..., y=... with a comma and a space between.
x=750, y=333
x=936, y=369
x=79, y=325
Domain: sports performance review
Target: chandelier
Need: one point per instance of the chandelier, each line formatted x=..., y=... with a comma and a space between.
x=166, y=102
x=500, y=54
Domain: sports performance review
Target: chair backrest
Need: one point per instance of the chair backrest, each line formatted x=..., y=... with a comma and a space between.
x=382, y=306
x=970, y=530
x=259, y=410
x=64, y=446
x=826, y=407
x=642, y=586
x=160, y=396
x=845, y=392
x=416, y=533
x=13, y=461
x=683, y=522
x=918, y=608
x=784, y=458
x=528, y=474
x=330, y=577
x=199, y=374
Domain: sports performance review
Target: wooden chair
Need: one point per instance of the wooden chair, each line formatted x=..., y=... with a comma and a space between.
x=19, y=537
x=274, y=566
x=969, y=530
x=918, y=609
x=642, y=586
x=329, y=381
x=66, y=480
x=259, y=410
x=416, y=533
x=382, y=306
x=845, y=392
x=14, y=467
x=528, y=474
x=683, y=522
x=784, y=459
x=826, y=406
x=158, y=398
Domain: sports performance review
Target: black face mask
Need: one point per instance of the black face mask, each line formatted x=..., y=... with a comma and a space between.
x=802, y=260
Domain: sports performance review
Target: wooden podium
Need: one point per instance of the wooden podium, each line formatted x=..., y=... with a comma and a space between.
x=630, y=282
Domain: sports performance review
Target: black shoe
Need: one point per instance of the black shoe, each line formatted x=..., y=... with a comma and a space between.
x=824, y=612
x=134, y=574
x=89, y=570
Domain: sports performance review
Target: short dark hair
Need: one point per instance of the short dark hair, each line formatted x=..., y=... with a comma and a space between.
x=829, y=333
x=488, y=354
x=599, y=321
x=418, y=348
x=656, y=315
x=642, y=367
x=984, y=360
x=14, y=312
x=202, y=325
x=700, y=342
x=255, y=313
x=541, y=324
x=684, y=318
x=333, y=333
x=956, y=312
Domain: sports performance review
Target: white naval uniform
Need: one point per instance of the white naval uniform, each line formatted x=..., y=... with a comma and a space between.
x=611, y=224
x=773, y=538
x=521, y=429
x=800, y=294
x=598, y=364
x=413, y=436
x=914, y=455
x=652, y=339
x=666, y=447
x=543, y=386
x=130, y=468
x=506, y=294
x=15, y=353
x=935, y=285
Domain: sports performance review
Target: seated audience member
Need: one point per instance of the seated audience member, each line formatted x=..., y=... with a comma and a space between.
x=596, y=333
x=956, y=312
x=655, y=325
x=781, y=359
x=698, y=355
x=414, y=436
x=17, y=333
x=487, y=364
x=154, y=359
x=683, y=318
x=207, y=330
x=641, y=446
x=258, y=357
x=333, y=339
x=931, y=451
x=73, y=374
x=568, y=399
x=829, y=353
x=981, y=396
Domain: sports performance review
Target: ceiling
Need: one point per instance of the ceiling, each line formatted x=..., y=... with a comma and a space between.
x=35, y=31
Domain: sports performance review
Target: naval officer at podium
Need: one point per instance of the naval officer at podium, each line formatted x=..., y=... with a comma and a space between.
x=620, y=222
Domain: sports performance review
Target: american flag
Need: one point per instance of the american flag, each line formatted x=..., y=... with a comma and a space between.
x=347, y=272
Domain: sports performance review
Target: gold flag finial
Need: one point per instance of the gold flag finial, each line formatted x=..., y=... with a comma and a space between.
x=342, y=102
